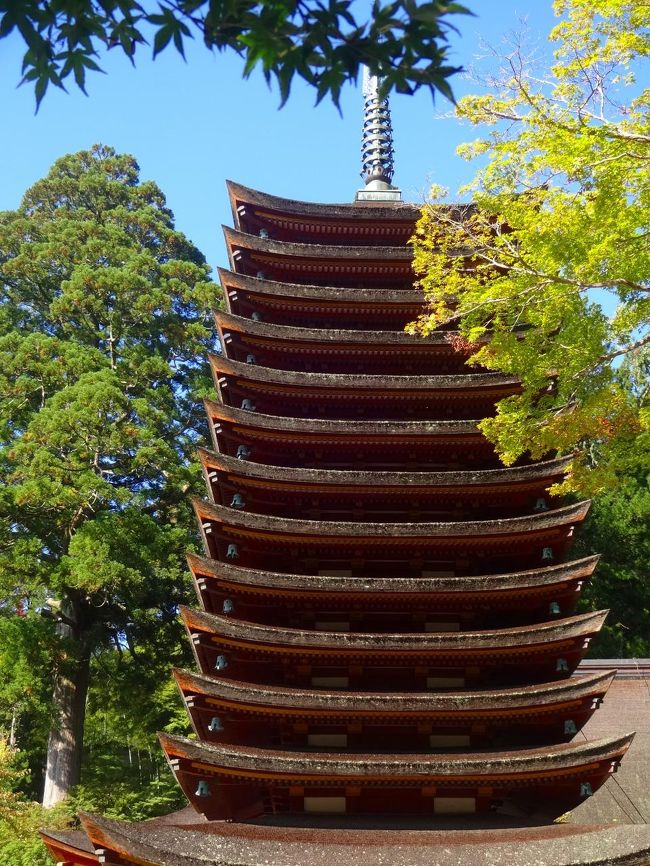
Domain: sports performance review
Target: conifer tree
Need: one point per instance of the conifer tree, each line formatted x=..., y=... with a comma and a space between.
x=103, y=330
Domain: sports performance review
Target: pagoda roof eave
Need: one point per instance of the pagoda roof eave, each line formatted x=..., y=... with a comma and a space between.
x=339, y=428
x=349, y=529
x=73, y=845
x=275, y=288
x=234, y=574
x=286, y=334
x=295, y=640
x=268, y=246
x=393, y=703
x=74, y=839
x=542, y=471
x=248, y=760
x=359, y=381
x=343, y=210
x=235, y=844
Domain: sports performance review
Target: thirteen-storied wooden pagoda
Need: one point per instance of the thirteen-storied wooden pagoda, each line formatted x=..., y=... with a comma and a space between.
x=388, y=620
x=387, y=629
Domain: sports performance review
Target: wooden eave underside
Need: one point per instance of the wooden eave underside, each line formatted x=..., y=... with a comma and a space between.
x=345, y=298
x=377, y=233
x=242, y=240
x=262, y=475
x=246, y=845
x=281, y=529
x=229, y=576
x=318, y=258
x=331, y=339
x=264, y=699
x=548, y=763
x=368, y=213
x=294, y=429
x=258, y=637
x=462, y=385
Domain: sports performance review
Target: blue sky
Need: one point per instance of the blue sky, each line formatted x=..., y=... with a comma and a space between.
x=192, y=125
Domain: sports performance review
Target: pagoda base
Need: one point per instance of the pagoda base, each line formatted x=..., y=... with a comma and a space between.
x=277, y=844
x=380, y=192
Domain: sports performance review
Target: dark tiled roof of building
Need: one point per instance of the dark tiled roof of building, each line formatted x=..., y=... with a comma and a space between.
x=241, y=240
x=331, y=427
x=566, y=571
x=539, y=633
x=276, y=289
x=493, y=764
x=625, y=799
x=349, y=529
x=361, y=381
x=375, y=211
x=389, y=703
x=223, y=844
x=75, y=839
x=543, y=471
x=284, y=334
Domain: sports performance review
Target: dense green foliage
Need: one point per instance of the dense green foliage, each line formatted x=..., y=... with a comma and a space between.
x=103, y=330
x=618, y=528
x=124, y=772
x=103, y=334
x=558, y=222
x=323, y=43
x=21, y=819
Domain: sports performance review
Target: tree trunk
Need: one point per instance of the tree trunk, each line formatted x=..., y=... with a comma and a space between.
x=65, y=743
x=12, y=732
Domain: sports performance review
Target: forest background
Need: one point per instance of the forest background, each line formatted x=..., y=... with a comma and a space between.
x=104, y=322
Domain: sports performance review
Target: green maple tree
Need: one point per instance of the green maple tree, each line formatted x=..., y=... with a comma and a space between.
x=325, y=44
x=557, y=222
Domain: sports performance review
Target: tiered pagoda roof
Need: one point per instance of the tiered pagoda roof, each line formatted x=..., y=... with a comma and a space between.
x=282, y=440
x=335, y=350
x=518, y=592
x=529, y=773
x=345, y=394
x=295, y=304
x=540, y=706
x=373, y=223
x=306, y=529
x=185, y=844
x=288, y=491
x=388, y=632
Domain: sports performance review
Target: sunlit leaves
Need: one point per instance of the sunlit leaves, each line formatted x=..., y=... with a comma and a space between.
x=551, y=260
x=20, y=819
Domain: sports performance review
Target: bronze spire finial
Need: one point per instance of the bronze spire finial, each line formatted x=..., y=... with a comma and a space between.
x=377, y=136
x=377, y=156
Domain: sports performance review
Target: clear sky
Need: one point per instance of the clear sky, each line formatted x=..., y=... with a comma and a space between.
x=193, y=125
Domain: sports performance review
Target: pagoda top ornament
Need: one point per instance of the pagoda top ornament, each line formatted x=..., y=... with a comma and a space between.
x=377, y=154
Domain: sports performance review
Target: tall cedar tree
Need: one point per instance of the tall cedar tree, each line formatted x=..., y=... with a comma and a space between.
x=103, y=328
x=558, y=222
